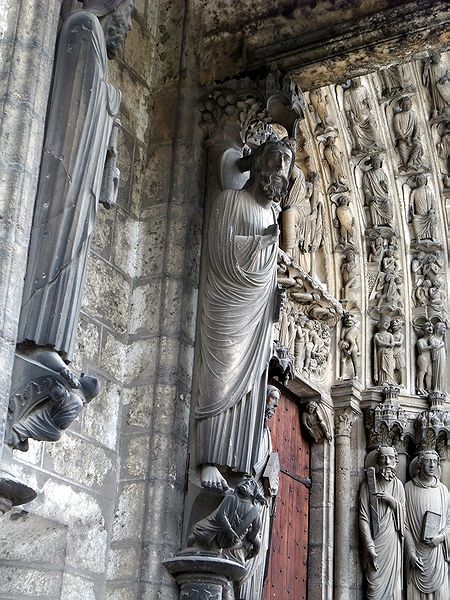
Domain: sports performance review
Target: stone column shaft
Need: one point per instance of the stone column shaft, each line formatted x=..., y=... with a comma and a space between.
x=344, y=423
x=27, y=41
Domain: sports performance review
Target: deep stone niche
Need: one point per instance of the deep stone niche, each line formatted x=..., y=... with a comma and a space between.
x=78, y=171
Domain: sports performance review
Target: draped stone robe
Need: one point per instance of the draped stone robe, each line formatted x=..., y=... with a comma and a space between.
x=235, y=332
x=433, y=583
x=376, y=191
x=385, y=583
x=80, y=120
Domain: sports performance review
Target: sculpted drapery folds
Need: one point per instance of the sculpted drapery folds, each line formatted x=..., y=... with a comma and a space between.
x=376, y=193
x=358, y=111
x=427, y=528
x=238, y=313
x=77, y=172
x=423, y=210
x=384, y=361
x=407, y=136
x=436, y=78
x=382, y=525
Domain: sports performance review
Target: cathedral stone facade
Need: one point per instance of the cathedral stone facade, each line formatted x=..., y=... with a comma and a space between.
x=224, y=300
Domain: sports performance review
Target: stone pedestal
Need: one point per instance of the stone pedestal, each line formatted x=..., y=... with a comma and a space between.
x=203, y=576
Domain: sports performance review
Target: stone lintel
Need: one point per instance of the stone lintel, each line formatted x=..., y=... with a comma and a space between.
x=395, y=24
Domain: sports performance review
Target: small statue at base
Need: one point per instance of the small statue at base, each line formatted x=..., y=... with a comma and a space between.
x=235, y=525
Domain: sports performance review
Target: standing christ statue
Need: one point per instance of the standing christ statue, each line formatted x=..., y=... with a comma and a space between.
x=237, y=316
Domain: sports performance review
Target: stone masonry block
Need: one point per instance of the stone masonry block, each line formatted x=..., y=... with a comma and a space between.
x=171, y=411
x=138, y=406
x=87, y=345
x=25, y=536
x=145, y=308
x=141, y=361
x=138, y=44
x=127, y=249
x=135, y=110
x=123, y=563
x=78, y=588
x=113, y=358
x=135, y=456
x=101, y=422
x=169, y=36
x=32, y=583
x=129, y=515
x=106, y=294
x=125, y=158
x=79, y=461
x=103, y=232
x=157, y=174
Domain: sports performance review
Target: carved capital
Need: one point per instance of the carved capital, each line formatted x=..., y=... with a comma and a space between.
x=240, y=110
x=343, y=423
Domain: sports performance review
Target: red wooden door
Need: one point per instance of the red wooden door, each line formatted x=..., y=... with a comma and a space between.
x=288, y=554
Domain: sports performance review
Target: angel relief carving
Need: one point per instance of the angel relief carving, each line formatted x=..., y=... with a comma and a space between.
x=436, y=78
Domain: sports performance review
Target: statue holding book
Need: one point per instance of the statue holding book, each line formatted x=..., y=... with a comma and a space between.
x=381, y=522
x=427, y=528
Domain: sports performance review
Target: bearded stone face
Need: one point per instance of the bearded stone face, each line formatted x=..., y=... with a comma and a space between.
x=387, y=463
x=116, y=26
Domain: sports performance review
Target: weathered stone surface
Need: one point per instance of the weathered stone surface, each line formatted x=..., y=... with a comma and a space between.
x=18, y=581
x=137, y=45
x=128, y=515
x=75, y=588
x=123, y=563
x=135, y=110
x=102, y=422
x=113, y=358
x=107, y=294
x=136, y=456
x=87, y=345
x=79, y=461
x=29, y=537
x=145, y=308
x=138, y=406
x=141, y=361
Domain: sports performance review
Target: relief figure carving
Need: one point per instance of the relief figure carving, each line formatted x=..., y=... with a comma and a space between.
x=407, y=136
x=384, y=362
x=349, y=347
x=376, y=193
x=315, y=424
x=267, y=471
x=238, y=314
x=436, y=78
x=422, y=210
x=359, y=115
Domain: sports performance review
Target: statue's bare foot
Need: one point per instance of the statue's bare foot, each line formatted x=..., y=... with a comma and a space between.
x=212, y=479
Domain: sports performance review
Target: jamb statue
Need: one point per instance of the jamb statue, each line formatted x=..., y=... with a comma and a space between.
x=238, y=313
x=78, y=171
x=382, y=525
x=427, y=529
x=79, y=148
x=267, y=471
